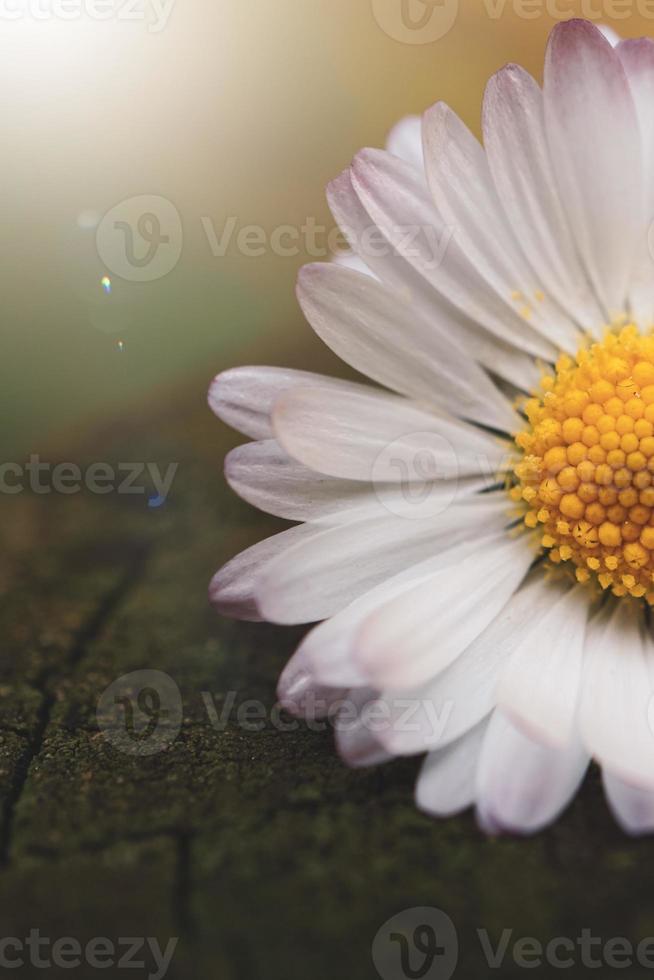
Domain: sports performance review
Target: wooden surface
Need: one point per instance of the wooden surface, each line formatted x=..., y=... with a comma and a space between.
x=258, y=848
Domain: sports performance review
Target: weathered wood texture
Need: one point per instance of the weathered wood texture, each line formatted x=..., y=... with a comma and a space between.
x=259, y=849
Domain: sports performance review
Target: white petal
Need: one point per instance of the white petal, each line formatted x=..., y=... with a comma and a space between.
x=363, y=434
x=368, y=326
x=329, y=647
x=637, y=57
x=518, y=156
x=540, y=687
x=243, y=397
x=355, y=730
x=232, y=588
x=340, y=563
x=370, y=246
x=299, y=693
x=399, y=204
x=263, y=474
x=389, y=265
x=405, y=141
x=268, y=478
x=460, y=696
x=631, y=806
x=447, y=781
x=594, y=141
x=463, y=189
x=616, y=719
x=350, y=260
x=523, y=786
x=611, y=36
x=413, y=637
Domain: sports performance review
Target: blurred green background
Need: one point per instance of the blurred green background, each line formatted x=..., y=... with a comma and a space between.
x=233, y=110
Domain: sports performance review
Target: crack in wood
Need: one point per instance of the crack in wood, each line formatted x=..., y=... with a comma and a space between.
x=46, y=684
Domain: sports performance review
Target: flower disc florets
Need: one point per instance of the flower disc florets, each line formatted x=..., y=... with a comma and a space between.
x=587, y=470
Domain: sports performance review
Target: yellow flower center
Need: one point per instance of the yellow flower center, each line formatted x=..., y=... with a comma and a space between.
x=587, y=470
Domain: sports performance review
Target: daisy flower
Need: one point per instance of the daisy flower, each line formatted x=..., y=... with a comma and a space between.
x=474, y=531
